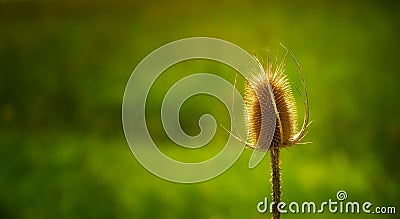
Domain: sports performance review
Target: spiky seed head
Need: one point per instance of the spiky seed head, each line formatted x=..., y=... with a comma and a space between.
x=286, y=116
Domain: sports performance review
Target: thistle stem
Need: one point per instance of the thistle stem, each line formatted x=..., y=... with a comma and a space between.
x=276, y=181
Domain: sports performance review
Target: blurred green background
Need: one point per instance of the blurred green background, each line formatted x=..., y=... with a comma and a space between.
x=64, y=67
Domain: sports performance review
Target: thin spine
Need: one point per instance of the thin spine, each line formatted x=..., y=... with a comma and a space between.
x=306, y=123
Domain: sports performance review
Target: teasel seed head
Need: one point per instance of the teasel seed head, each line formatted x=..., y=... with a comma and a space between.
x=285, y=133
x=272, y=87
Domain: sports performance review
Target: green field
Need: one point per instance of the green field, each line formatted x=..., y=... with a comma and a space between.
x=64, y=67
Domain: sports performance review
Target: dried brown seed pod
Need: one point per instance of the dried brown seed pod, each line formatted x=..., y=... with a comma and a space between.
x=257, y=114
x=285, y=133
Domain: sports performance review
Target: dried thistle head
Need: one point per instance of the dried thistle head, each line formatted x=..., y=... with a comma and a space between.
x=286, y=133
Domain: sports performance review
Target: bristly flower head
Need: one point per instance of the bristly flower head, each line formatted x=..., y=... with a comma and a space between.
x=286, y=133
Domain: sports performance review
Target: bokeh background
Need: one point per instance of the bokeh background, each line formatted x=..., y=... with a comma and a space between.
x=64, y=67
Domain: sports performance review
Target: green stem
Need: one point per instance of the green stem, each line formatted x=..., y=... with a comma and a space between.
x=276, y=180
